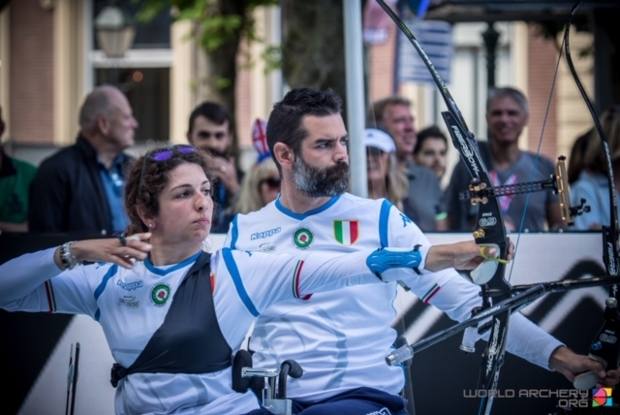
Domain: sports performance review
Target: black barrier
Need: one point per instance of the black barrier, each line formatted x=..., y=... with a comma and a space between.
x=28, y=339
x=444, y=378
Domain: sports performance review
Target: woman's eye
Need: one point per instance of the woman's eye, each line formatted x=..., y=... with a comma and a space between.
x=207, y=192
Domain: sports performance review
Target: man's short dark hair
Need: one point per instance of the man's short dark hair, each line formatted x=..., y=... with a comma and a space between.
x=284, y=124
x=212, y=111
x=429, y=132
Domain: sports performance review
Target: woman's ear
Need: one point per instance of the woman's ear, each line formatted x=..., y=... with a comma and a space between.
x=284, y=155
x=147, y=219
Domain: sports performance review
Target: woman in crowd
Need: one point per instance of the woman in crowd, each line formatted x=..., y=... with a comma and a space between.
x=262, y=183
x=172, y=314
x=592, y=184
x=385, y=179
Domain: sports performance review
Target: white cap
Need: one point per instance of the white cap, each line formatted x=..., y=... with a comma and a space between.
x=374, y=137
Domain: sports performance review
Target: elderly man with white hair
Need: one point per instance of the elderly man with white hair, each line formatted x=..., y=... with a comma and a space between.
x=80, y=188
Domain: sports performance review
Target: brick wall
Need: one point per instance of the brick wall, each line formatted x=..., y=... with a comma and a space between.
x=381, y=67
x=31, y=63
x=542, y=58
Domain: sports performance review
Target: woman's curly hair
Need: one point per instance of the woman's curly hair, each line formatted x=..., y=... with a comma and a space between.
x=149, y=175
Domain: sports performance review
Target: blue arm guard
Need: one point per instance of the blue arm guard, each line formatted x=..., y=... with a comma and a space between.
x=383, y=259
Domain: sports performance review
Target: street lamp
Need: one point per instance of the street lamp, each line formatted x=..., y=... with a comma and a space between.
x=115, y=31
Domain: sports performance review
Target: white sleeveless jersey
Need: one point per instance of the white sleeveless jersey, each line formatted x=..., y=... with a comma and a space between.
x=341, y=338
x=131, y=305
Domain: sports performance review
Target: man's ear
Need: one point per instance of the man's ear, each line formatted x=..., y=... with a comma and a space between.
x=283, y=154
x=103, y=125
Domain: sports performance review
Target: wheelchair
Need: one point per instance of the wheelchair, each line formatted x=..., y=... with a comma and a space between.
x=268, y=384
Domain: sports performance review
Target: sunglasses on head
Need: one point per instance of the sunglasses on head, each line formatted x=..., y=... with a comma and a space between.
x=272, y=182
x=164, y=154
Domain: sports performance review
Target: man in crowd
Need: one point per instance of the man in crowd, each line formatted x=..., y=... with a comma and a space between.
x=341, y=339
x=431, y=150
x=210, y=130
x=80, y=188
x=15, y=178
x=506, y=115
x=423, y=203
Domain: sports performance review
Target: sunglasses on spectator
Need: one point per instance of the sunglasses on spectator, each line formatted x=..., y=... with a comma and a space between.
x=218, y=135
x=374, y=151
x=271, y=182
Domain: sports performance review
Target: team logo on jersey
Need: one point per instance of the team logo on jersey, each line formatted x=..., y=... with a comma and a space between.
x=265, y=234
x=129, y=300
x=303, y=238
x=160, y=294
x=130, y=286
x=346, y=231
x=405, y=219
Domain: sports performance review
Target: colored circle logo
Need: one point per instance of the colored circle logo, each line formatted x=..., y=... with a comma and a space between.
x=303, y=238
x=602, y=397
x=160, y=294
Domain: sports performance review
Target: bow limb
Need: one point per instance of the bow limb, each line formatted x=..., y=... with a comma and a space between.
x=602, y=348
x=610, y=233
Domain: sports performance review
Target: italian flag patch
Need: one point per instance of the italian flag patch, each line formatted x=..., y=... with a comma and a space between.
x=346, y=231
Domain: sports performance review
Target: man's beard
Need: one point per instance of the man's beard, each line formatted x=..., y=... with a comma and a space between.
x=321, y=182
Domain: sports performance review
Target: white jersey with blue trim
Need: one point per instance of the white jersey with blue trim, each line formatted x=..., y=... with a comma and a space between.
x=341, y=338
x=131, y=304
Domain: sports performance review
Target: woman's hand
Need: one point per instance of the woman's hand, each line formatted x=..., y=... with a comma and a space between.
x=112, y=250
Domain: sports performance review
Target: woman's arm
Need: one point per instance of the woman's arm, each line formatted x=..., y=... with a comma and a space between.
x=23, y=275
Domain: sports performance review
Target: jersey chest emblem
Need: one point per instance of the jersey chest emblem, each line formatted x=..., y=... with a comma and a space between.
x=346, y=231
x=303, y=238
x=160, y=294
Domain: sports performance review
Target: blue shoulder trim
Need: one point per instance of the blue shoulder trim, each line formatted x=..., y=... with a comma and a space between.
x=111, y=271
x=104, y=281
x=301, y=216
x=159, y=271
x=234, y=232
x=236, y=277
x=384, y=216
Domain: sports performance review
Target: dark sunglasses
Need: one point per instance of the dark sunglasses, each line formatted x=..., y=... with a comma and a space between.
x=271, y=182
x=374, y=151
x=208, y=134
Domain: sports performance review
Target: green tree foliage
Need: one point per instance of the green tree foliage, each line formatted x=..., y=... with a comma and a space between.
x=219, y=26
